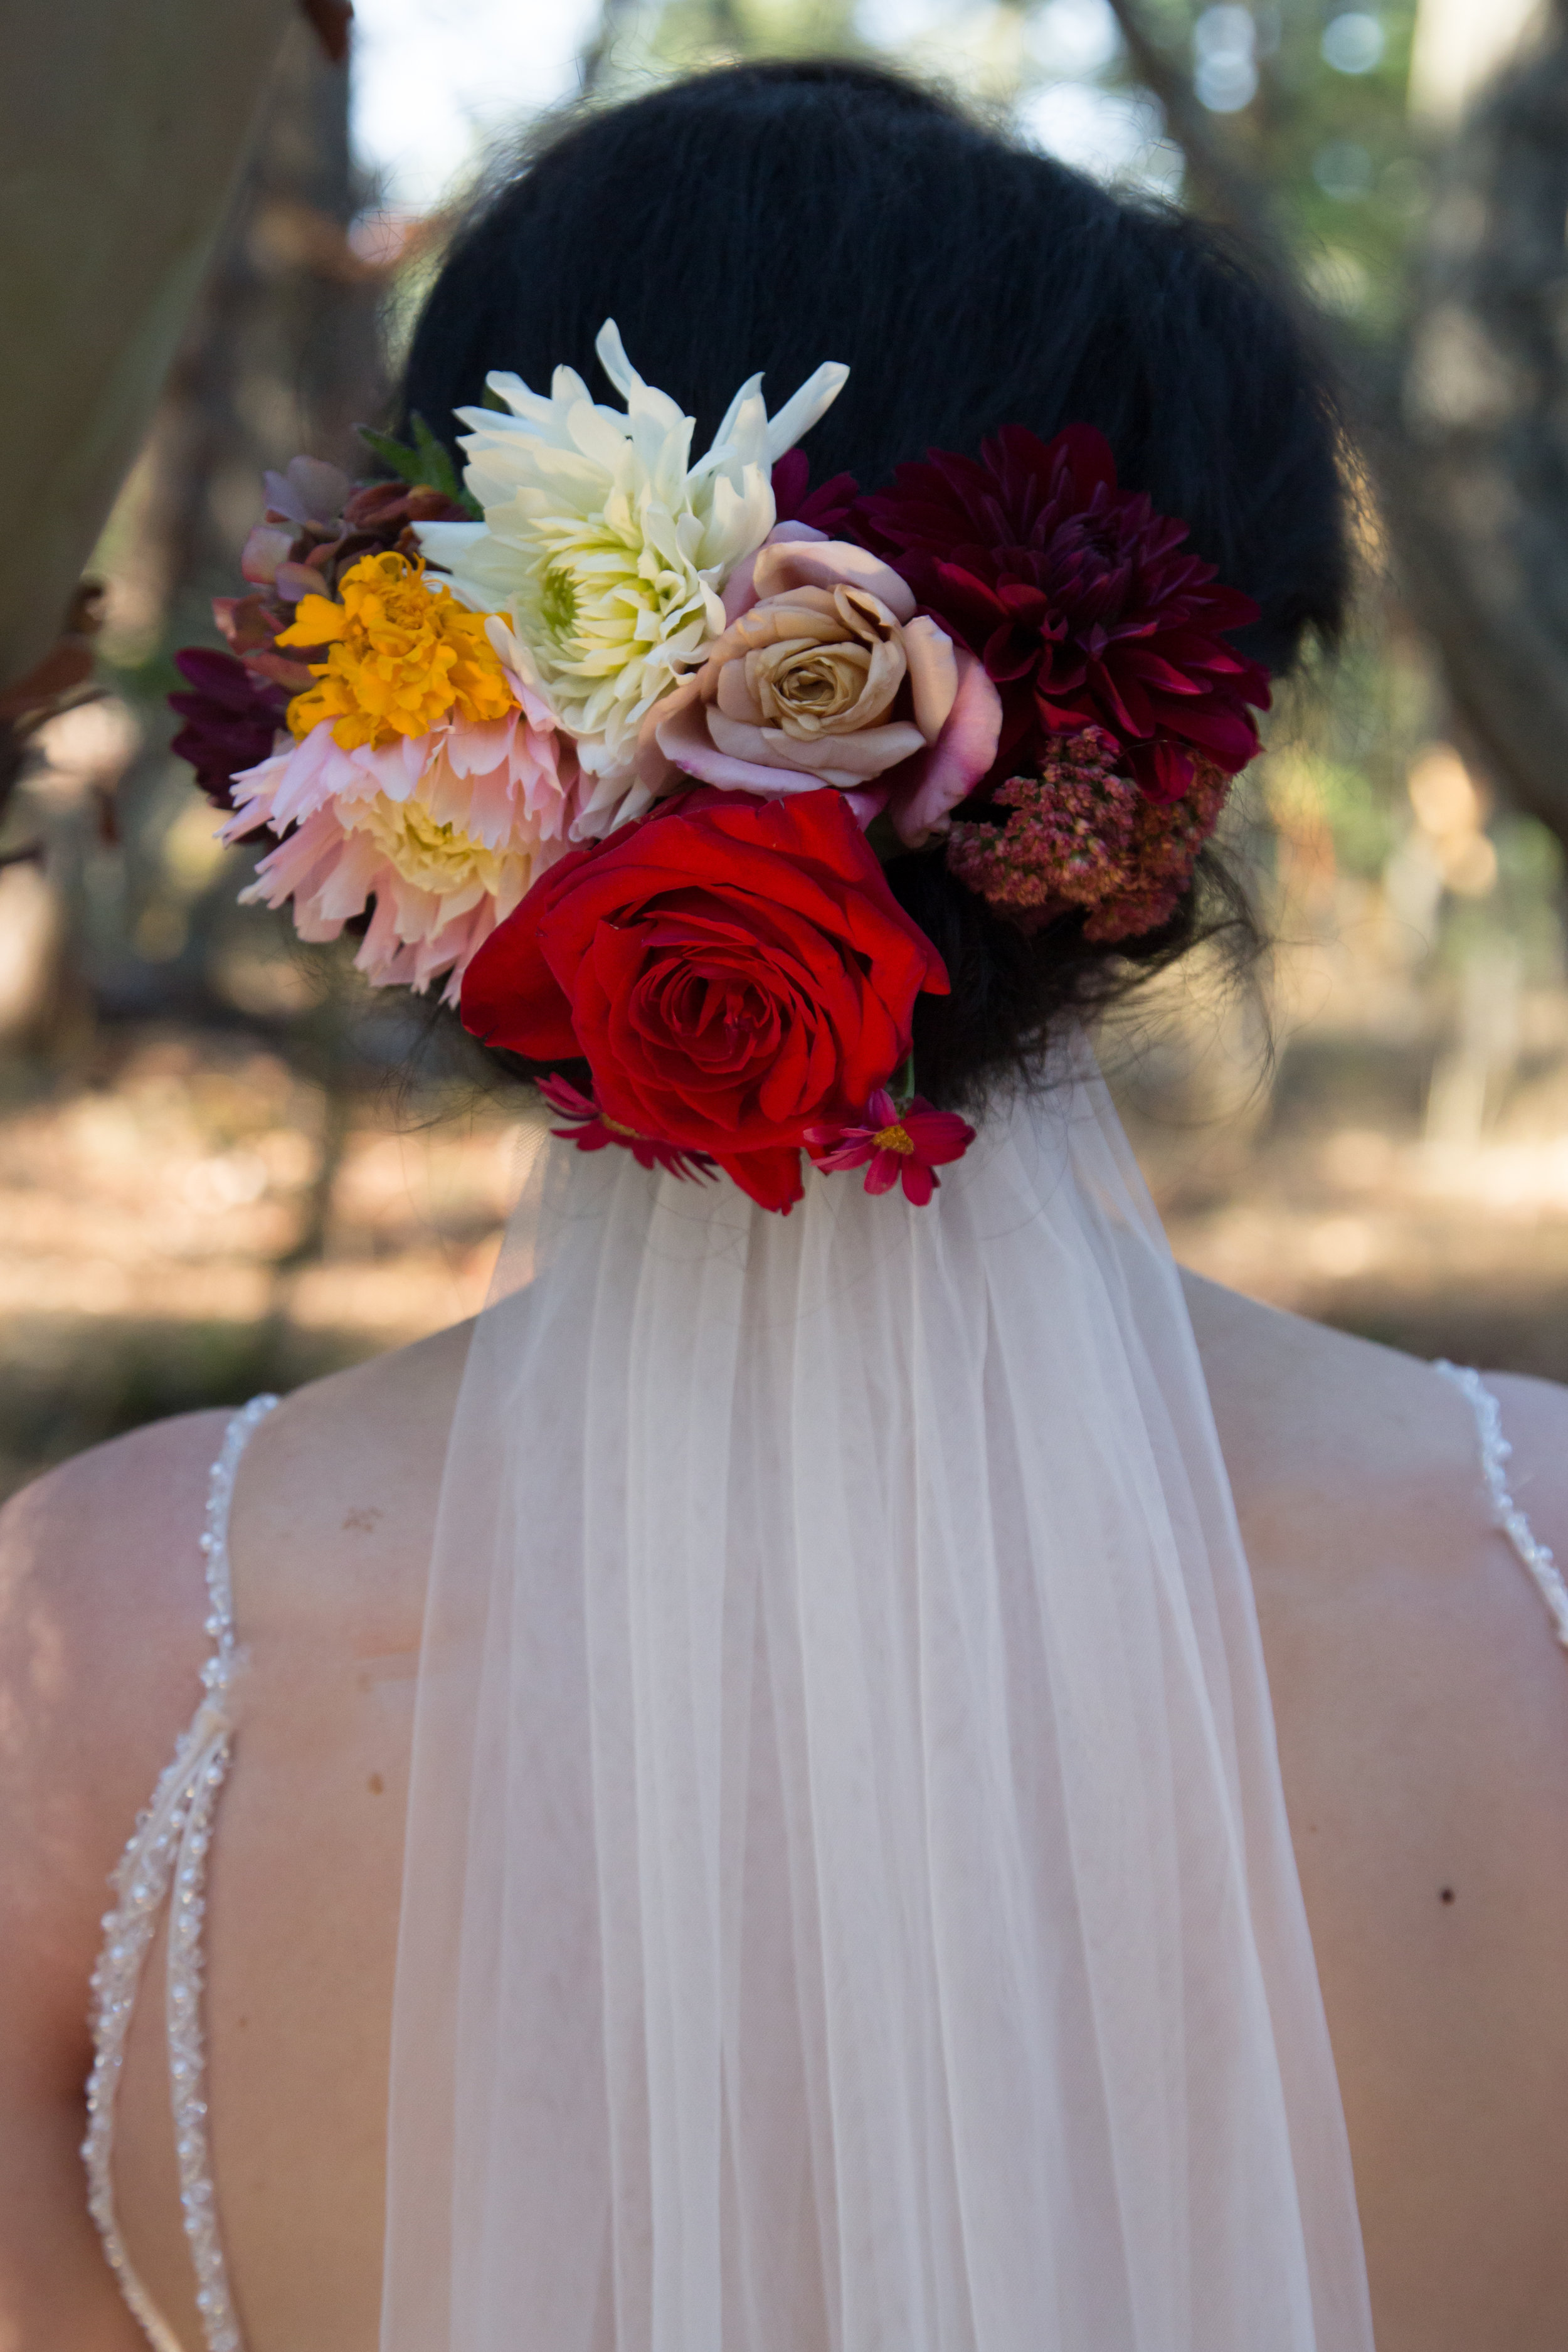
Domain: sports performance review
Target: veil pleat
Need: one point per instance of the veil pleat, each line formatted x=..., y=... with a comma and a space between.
x=849, y=1906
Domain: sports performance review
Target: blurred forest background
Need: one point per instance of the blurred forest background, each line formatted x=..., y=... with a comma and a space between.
x=224, y=1165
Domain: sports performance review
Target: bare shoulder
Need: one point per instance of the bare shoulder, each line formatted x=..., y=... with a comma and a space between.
x=103, y=1610
x=1421, y=1705
x=1291, y=1394
x=335, y=1509
x=103, y=1637
x=1388, y=1600
x=100, y=1644
x=101, y=1531
x=1375, y=1439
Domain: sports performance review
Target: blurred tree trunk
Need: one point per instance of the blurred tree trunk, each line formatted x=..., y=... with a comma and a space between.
x=281, y=354
x=1463, y=416
x=121, y=132
x=1468, y=433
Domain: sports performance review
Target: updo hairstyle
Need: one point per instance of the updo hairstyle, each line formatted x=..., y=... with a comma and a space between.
x=773, y=215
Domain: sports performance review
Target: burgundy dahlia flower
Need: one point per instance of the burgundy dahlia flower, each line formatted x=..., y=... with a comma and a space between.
x=1086, y=607
x=230, y=719
x=825, y=508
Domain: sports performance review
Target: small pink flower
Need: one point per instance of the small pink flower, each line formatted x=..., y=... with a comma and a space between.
x=910, y=1144
x=590, y=1131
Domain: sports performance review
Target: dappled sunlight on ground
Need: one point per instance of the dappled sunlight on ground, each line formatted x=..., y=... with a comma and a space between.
x=1439, y=1248
x=194, y=1220
x=1401, y=1166
x=150, y=1231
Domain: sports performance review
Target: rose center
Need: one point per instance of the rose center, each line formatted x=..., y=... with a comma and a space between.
x=823, y=683
x=717, y=1016
x=803, y=689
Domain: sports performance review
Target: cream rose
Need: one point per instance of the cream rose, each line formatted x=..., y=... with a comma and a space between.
x=826, y=674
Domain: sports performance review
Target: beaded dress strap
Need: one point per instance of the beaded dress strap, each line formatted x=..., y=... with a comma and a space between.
x=1507, y=1517
x=168, y=1849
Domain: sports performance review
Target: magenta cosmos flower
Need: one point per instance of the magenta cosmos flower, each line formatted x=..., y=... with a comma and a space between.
x=909, y=1144
x=590, y=1131
x=1086, y=607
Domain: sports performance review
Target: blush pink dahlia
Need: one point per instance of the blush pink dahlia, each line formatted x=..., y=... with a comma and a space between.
x=894, y=1146
x=443, y=832
x=1086, y=607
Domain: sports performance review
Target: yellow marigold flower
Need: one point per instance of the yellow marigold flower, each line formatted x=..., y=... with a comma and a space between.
x=402, y=655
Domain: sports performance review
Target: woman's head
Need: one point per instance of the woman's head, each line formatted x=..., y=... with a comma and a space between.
x=771, y=216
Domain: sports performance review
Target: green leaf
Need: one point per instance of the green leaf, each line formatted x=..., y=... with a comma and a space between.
x=424, y=463
x=441, y=474
x=404, y=462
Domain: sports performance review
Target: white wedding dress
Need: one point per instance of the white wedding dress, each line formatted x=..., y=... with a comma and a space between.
x=849, y=1906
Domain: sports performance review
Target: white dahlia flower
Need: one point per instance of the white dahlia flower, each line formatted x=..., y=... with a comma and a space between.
x=603, y=551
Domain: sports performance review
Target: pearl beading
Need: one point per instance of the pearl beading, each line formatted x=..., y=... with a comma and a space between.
x=1507, y=1517
x=167, y=1851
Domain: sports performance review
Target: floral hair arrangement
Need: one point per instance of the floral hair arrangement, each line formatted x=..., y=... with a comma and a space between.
x=598, y=737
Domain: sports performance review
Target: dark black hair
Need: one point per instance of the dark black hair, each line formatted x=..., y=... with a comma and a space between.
x=772, y=215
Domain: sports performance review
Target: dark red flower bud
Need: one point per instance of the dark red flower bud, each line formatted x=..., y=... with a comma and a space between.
x=231, y=718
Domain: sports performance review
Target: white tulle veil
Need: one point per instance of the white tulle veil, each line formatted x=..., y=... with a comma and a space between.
x=849, y=1906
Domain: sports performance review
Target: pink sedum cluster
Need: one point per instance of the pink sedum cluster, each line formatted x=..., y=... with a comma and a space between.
x=1167, y=839
x=1080, y=833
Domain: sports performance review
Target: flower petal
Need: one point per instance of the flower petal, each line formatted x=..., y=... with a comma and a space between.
x=740, y=591
x=919, y=1181
x=933, y=674
x=267, y=546
x=782, y=565
x=938, y=778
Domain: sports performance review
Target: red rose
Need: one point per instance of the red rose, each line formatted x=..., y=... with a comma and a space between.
x=735, y=969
